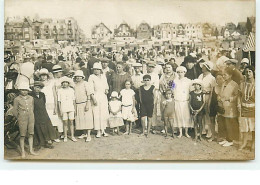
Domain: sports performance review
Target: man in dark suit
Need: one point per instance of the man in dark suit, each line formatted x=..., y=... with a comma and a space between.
x=91, y=61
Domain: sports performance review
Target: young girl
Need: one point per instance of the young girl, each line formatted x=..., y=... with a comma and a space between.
x=128, y=106
x=66, y=99
x=23, y=111
x=196, y=105
x=115, y=120
x=167, y=110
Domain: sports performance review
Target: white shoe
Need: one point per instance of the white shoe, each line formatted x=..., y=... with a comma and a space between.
x=56, y=140
x=88, y=139
x=74, y=139
x=163, y=131
x=65, y=139
x=62, y=136
x=98, y=136
x=105, y=134
x=82, y=136
x=228, y=144
x=208, y=135
x=223, y=142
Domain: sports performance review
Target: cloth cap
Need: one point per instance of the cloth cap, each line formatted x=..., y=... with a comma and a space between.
x=79, y=73
x=114, y=94
x=197, y=81
x=38, y=83
x=97, y=65
x=245, y=60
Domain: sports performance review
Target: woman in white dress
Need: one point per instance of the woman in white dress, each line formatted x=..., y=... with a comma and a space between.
x=50, y=101
x=100, y=108
x=182, y=118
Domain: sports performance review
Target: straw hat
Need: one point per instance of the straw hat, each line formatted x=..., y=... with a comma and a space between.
x=79, y=73
x=137, y=64
x=208, y=65
x=245, y=60
x=56, y=69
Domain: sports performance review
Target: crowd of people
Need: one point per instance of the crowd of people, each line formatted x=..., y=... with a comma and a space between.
x=107, y=93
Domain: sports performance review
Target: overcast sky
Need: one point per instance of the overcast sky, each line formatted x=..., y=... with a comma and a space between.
x=113, y=12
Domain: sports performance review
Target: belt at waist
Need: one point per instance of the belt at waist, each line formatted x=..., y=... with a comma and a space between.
x=126, y=105
x=248, y=104
x=81, y=102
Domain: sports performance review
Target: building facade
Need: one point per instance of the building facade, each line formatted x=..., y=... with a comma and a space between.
x=144, y=31
x=101, y=32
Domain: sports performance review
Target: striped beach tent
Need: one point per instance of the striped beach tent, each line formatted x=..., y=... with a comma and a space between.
x=250, y=45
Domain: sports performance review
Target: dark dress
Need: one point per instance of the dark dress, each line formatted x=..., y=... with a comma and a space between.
x=197, y=101
x=44, y=130
x=147, y=101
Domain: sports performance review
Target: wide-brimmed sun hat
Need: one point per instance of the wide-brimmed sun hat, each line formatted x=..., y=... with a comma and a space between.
x=197, y=81
x=114, y=94
x=65, y=79
x=44, y=71
x=24, y=86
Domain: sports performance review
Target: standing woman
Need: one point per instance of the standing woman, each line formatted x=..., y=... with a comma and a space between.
x=100, y=108
x=118, y=78
x=83, y=94
x=49, y=96
x=228, y=96
x=182, y=118
x=246, y=106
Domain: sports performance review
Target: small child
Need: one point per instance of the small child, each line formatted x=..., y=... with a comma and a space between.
x=196, y=105
x=128, y=106
x=168, y=113
x=115, y=120
x=147, y=93
x=67, y=106
x=23, y=111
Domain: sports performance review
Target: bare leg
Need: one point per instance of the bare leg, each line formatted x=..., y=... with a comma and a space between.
x=186, y=132
x=172, y=127
x=130, y=127
x=71, y=128
x=166, y=120
x=212, y=128
x=180, y=130
x=149, y=126
x=143, y=119
x=244, y=140
x=126, y=127
x=22, y=146
x=65, y=128
x=31, y=145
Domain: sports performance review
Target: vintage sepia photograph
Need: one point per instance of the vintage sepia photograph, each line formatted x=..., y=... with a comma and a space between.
x=129, y=80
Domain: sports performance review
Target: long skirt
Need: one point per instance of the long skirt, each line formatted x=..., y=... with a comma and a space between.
x=55, y=119
x=45, y=132
x=232, y=127
x=100, y=111
x=84, y=119
x=182, y=118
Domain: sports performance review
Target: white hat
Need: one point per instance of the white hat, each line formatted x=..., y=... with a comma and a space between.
x=137, y=64
x=97, y=65
x=160, y=61
x=131, y=61
x=245, y=60
x=197, y=81
x=79, y=73
x=193, y=55
x=56, y=68
x=181, y=68
x=44, y=71
x=24, y=86
x=114, y=94
x=65, y=79
x=208, y=65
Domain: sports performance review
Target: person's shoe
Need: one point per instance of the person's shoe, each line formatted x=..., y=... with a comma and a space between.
x=23, y=155
x=187, y=135
x=228, y=144
x=48, y=146
x=62, y=136
x=208, y=135
x=74, y=139
x=223, y=142
x=56, y=140
x=37, y=148
x=82, y=136
x=98, y=136
x=65, y=139
x=163, y=131
x=126, y=133
x=105, y=134
x=88, y=139
x=154, y=132
x=179, y=136
x=33, y=153
x=203, y=132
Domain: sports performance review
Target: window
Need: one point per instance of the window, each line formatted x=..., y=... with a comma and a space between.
x=26, y=29
x=193, y=31
x=26, y=36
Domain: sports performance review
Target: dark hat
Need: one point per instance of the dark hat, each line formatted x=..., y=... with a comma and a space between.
x=104, y=60
x=94, y=53
x=147, y=77
x=49, y=57
x=38, y=84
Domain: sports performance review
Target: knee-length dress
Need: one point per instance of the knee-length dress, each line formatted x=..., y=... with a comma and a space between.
x=181, y=91
x=100, y=111
x=115, y=120
x=84, y=119
x=48, y=90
